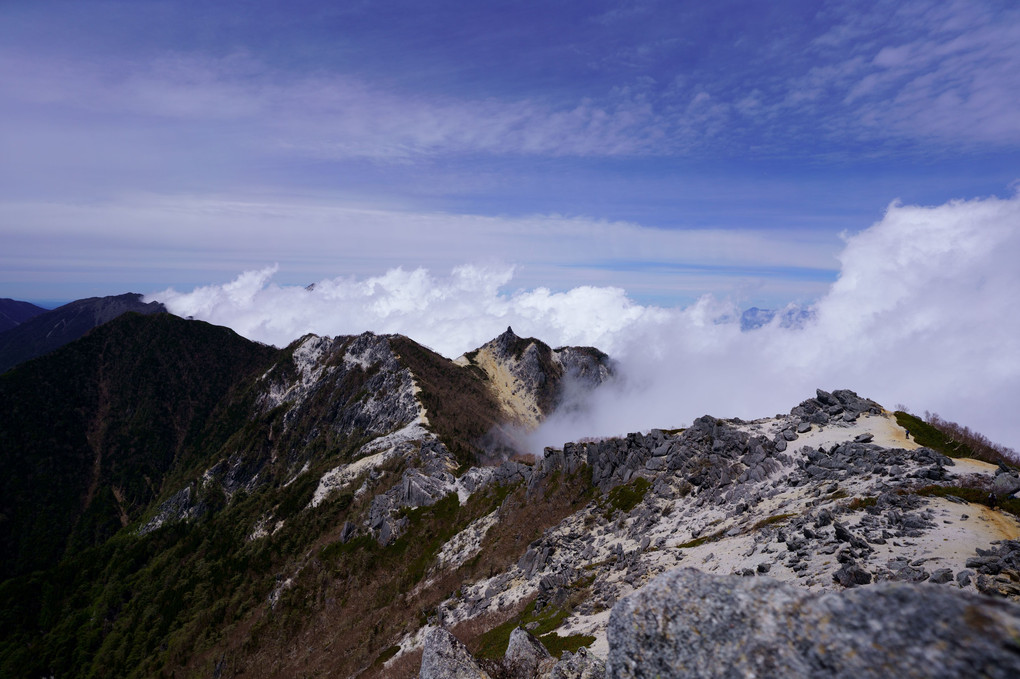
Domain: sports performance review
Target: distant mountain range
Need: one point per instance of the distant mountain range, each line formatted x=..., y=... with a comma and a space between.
x=177, y=500
x=789, y=317
x=28, y=331
x=40, y=331
x=13, y=313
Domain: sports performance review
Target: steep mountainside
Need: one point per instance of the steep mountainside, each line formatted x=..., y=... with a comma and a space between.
x=51, y=330
x=326, y=509
x=155, y=438
x=13, y=313
x=832, y=495
x=90, y=433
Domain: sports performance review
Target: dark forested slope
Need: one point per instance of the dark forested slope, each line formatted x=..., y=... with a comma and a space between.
x=90, y=432
x=50, y=330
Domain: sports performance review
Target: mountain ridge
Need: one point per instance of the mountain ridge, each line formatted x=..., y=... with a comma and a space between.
x=49, y=330
x=15, y=312
x=357, y=406
x=324, y=507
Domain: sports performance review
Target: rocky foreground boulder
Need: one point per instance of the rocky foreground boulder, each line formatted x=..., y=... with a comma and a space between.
x=445, y=657
x=690, y=624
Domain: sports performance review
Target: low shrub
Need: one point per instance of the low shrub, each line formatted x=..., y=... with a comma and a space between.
x=626, y=497
x=954, y=440
x=973, y=495
x=771, y=521
x=542, y=624
x=697, y=542
x=861, y=503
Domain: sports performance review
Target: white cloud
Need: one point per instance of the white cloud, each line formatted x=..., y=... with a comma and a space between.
x=922, y=313
x=449, y=314
x=931, y=71
x=326, y=115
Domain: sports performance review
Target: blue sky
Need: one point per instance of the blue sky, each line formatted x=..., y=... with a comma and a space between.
x=153, y=144
x=624, y=174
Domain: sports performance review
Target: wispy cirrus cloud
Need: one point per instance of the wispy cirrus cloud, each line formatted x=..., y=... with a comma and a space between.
x=329, y=115
x=935, y=71
x=920, y=73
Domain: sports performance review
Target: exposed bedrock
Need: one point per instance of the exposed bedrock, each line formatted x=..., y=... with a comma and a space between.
x=445, y=657
x=689, y=624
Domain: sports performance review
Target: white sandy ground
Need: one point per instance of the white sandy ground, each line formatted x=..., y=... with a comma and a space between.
x=959, y=530
x=375, y=454
x=515, y=398
x=462, y=546
x=966, y=466
x=883, y=427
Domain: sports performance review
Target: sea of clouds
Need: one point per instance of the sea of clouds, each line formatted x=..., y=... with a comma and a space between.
x=924, y=313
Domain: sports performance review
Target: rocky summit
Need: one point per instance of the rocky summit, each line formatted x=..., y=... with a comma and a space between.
x=182, y=502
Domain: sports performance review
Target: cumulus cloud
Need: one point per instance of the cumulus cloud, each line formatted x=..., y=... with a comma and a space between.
x=451, y=314
x=922, y=314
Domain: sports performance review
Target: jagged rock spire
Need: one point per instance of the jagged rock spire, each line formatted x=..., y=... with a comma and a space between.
x=507, y=341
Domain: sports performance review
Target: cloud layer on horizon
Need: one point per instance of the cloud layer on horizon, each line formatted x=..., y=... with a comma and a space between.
x=922, y=314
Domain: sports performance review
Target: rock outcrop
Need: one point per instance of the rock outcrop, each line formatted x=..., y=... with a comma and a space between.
x=1006, y=482
x=525, y=655
x=841, y=505
x=580, y=665
x=998, y=569
x=690, y=624
x=330, y=393
x=841, y=405
x=530, y=380
x=445, y=657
